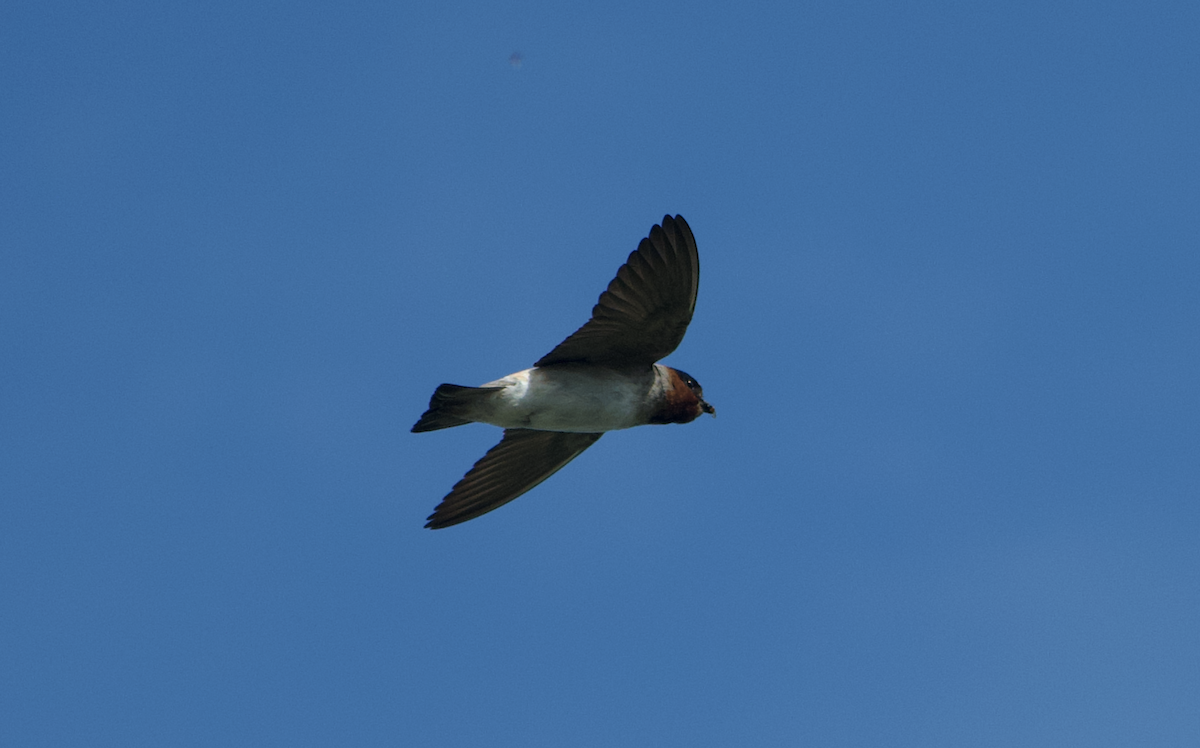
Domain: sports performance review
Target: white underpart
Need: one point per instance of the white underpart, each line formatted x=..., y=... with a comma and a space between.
x=574, y=398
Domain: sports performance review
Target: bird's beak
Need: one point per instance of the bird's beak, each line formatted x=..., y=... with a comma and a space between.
x=708, y=409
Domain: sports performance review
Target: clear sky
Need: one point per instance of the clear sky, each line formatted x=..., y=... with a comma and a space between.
x=949, y=316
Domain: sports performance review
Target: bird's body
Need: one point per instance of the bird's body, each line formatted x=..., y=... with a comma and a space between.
x=601, y=378
x=581, y=398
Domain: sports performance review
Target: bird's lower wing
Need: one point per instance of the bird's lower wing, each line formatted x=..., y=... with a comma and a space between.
x=522, y=459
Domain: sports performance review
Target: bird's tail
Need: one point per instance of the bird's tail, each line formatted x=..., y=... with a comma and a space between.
x=451, y=405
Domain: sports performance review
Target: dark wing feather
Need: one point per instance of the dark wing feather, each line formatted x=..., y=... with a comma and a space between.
x=522, y=459
x=646, y=310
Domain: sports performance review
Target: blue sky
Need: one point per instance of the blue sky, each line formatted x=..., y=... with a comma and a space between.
x=949, y=317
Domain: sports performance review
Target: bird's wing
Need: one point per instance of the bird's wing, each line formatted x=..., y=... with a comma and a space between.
x=646, y=310
x=522, y=459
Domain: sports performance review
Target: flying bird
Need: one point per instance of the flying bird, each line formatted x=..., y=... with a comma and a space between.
x=604, y=377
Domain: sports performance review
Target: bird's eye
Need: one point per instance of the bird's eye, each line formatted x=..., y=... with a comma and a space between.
x=687, y=379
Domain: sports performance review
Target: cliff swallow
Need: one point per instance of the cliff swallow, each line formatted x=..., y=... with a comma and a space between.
x=602, y=378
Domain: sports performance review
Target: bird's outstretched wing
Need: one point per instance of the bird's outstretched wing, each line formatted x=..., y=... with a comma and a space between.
x=646, y=310
x=522, y=459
